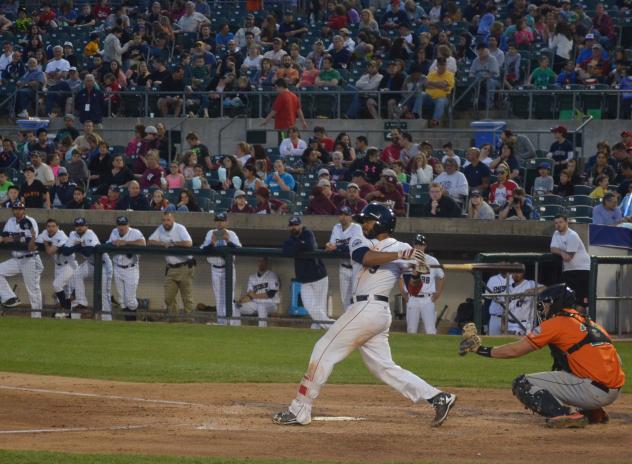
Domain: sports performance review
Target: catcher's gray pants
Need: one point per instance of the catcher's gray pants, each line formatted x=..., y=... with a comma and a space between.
x=572, y=390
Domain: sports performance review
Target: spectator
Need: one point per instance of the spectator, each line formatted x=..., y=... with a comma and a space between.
x=276, y=54
x=112, y=49
x=269, y=31
x=321, y=136
x=449, y=153
x=79, y=200
x=371, y=166
x=290, y=27
x=42, y=144
x=285, y=109
x=393, y=81
x=476, y=173
x=33, y=193
x=562, y=43
x=13, y=195
x=63, y=190
x=486, y=70
x=92, y=47
x=116, y=174
x=368, y=22
x=251, y=181
x=248, y=27
x=309, y=164
x=352, y=199
x=69, y=129
x=223, y=36
x=519, y=208
x=187, y=202
x=293, y=146
x=511, y=70
x=387, y=192
x=394, y=17
x=81, y=142
x=240, y=203
x=338, y=172
x=602, y=167
x=626, y=203
x=287, y=71
x=7, y=55
x=359, y=178
x=328, y=76
x=8, y=156
x=361, y=146
x=392, y=151
x=595, y=68
x=203, y=155
x=543, y=75
x=15, y=69
x=175, y=179
x=454, y=182
x=422, y=172
x=408, y=149
x=439, y=86
x=522, y=146
x=309, y=75
x=440, y=205
x=78, y=169
x=172, y=89
x=43, y=171
x=5, y=184
x=191, y=20
x=601, y=182
x=100, y=164
x=324, y=200
x=198, y=180
x=368, y=82
x=154, y=174
x=508, y=158
x=90, y=101
x=135, y=200
x=159, y=202
x=279, y=180
x=340, y=55
x=28, y=84
x=478, y=208
x=566, y=186
x=230, y=174
x=337, y=20
x=604, y=26
x=608, y=213
x=265, y=205
x=543, y=184
x=568, y=76
x=496, y=52
x=561, y=149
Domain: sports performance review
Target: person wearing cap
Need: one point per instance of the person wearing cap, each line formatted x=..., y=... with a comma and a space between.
x=249, y=26
x=595, y=68
x=22, y=230
x=454, y=181
x=180, y=268
x=317, y=54
x=126, y=265
x=561, y=149
x=476, y=173
x=276, y=54
x=216, y=239
x=394, y=16
x=341, y=235
x=543, y=184
x=478, y=208
x=34, y=193
x=309, y=272
x=438, y=87
x=368, y=82
x=69, y=55
x=626, y=138
x=359, y=177
x=291, y=27
x=486, y=70
x=79, y=200
x=51, y=240
x=324, y=200
x=90, y=101
x=240, y=203
x=82, y=241
x=352, y=199
x=262, y=293
x=388, y=191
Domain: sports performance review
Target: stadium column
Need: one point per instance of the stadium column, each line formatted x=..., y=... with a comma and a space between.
x=229, y=263
x=97, y=286
x=478, y=299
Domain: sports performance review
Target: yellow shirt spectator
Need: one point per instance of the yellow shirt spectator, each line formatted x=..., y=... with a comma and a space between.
x=91, y=48
x=598, y=193
x=436, y=92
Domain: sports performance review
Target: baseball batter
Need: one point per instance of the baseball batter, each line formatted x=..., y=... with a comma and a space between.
x=423, y=290
x=341, y=235
x=262, y=293
x=215, y=238
x=83, y=240
x=52, y=240
x=521, y=307
x=365, y=324
x=126, y=268
x=22, y=229
x=497, y=284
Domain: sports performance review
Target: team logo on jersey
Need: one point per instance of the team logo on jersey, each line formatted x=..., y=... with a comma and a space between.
x=356, y=242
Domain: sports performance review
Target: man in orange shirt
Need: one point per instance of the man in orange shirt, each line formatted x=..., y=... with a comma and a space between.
x=587, y=372
x=285, y=109
x=287, y=71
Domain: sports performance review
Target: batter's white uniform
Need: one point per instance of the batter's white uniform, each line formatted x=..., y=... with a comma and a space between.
x=126, y=269
x=218, y=277
x=341, y=238
x=86, y=269
x=65, y=266
x=521, y=307
x=497, y=284
x=260, y=285
x=365, y=326
x=420, y=302
x=27, y=263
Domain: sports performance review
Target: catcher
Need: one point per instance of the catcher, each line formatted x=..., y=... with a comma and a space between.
x=587, y=373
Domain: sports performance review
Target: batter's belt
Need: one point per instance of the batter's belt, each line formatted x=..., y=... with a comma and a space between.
x=357, y=298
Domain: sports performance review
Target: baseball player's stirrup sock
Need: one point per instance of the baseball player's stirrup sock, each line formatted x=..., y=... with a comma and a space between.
x=63, y=301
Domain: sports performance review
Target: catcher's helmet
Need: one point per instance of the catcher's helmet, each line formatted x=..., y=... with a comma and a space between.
x=384, y=216
x=558, y=296
x=420, y=239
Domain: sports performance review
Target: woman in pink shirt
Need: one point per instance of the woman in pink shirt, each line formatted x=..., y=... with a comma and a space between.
x=523, y=35
x=175, y=180
x=309, y=75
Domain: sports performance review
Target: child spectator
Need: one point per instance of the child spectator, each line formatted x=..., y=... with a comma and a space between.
x=240, y=203
x=92, y=47
x=543, y=184
x=566, y=186
x=543, y=75
x=602, y=182
x=187, y=167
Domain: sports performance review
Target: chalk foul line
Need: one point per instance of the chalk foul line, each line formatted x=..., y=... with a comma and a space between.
x=73, y=429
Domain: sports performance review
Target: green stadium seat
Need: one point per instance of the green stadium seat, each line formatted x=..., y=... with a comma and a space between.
x=579, y=200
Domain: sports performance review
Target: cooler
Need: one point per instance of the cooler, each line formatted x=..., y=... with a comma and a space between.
x=487, y=131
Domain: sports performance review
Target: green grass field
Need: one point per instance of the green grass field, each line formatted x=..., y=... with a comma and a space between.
x=184, y=353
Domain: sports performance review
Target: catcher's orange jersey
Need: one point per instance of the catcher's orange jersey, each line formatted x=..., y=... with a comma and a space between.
x=599, y=362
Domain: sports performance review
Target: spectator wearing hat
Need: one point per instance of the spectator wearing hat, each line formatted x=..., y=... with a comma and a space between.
x=391, y=152
x=110, y=201
x=360, y=179
x=240, y=203
x=438, y=87
x=28, y=84
x=368, y=82
x=135, y=200
x=626, y=138
x=90, y=101
x=440, y=204
x=79, y=200
x=352, y=199
x=387, y=191
x=486, y=70
x=33, y=193
x=453, y=181
x=478, y=208
x=323, y=201
x=561, y=149
x=502, y=190
x=476, y=172
x=595, y=68
x=544, y=183
x=371, y=166
x=69, y=54
x=394, y=17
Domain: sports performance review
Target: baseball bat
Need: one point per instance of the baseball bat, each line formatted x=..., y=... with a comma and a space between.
x=471, y=267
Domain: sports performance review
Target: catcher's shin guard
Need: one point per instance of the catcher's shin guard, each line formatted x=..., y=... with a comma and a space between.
x=541, y=402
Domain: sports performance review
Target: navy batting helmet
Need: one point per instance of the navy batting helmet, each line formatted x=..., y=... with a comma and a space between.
x=420, y=239
x=559, y=297
x=384, y=216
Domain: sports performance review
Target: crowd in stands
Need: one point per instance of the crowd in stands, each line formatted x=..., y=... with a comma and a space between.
x=319, y=174
x=391, y=58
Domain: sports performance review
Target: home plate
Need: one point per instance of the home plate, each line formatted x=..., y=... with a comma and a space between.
x=338, y=419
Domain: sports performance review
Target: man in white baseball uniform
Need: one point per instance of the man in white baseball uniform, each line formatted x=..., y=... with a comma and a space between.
x=341, y=235
x=310, y=272
x=180, y=268
x=52, y=240
x=262, y=293
x=423, y=290
x=83, y=241
x=365, y=324
x=22, y=229
x=126, y=265
x=218, y=237
x=521, y=307
x=497, y=284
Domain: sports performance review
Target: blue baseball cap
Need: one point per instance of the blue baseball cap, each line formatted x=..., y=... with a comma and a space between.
x=121, y=221
x=221, y=216
x=80, y=221
x=295, y=221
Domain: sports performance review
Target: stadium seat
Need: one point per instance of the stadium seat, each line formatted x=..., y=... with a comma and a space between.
x=542, y=200
x=583, y=189
x=580, y=220
x=579, y=200
x=580, y=211
x=550, y=210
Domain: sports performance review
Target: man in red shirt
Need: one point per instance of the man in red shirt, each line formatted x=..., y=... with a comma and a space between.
x=324, y=200
x=321, y=135
x=387, y=191
x=391, y=152
x=353, y=200
x=285, y=109
x=110, y=201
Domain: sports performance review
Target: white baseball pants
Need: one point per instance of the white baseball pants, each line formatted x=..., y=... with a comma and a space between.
x=85, y=270
x=495, y=325
x=314, y=296
x=364, y=326
x=346, y=286
x=126, y=282
x=63, y=277
x=31, y=270
x=420, y=306
x=259, y=307
x=218, y=282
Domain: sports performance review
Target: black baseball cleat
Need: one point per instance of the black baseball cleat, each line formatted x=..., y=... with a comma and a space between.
x=442, y=403
x=285, y=418
x=11, y=302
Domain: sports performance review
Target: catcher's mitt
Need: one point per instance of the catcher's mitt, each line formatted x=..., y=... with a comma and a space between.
x=470, y=341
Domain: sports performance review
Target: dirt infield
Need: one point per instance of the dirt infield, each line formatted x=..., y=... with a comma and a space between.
x=233, y=420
